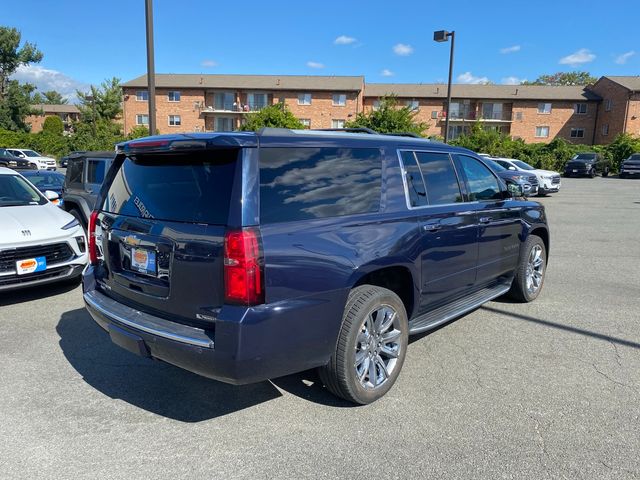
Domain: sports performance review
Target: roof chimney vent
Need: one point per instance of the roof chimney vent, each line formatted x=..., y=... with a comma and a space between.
x=516, y=91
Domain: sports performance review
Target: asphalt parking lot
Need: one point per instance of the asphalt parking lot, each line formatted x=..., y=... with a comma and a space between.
x=549, y=389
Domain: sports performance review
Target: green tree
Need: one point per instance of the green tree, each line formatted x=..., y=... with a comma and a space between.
x=275, y=116
x=101, y=103
x=53, y=125
x=50, y=97
x=12, y=56
x=389, y=118
x=15, y=106
x=103, y=135
x=138, y=131
x=564, y=78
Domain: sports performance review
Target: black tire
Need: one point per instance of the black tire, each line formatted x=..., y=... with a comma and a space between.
x=339, y=375
x=605, y=172
x=519, y=289
x=623, y=175
x=79, y=217
x=592, y=173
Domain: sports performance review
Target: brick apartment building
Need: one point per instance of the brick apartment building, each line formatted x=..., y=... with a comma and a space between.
x=586, y=115
x=67, y=113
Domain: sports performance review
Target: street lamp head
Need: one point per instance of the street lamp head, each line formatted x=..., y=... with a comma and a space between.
x=441, y=36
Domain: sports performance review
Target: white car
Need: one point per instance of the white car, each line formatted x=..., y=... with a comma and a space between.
x=39, y=242
x=548, y=181
x=43, y=163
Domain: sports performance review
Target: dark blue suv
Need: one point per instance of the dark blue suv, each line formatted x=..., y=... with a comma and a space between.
x=248, y=256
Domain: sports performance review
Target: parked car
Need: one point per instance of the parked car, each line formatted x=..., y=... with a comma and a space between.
x=527, y=181
x=84, y=176
x=15, y=163
x=243, y=256
x=45, y=180
x=65, y=160
x=548, y=180
x=43, y=163
x=630, y=166
x=39, y=242
x=587, y=164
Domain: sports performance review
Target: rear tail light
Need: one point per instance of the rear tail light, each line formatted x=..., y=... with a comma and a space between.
x=243, y=267
x=93, y=247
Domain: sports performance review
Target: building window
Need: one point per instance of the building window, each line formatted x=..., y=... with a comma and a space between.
x=577, y=133
x=174, y=96
x=542, y=132
x=376, y=105
x=306, y=122
x=518, y=115
x=492, y=111
x=339, y=99
x=142, y=95
x=304, y=99
x=257, y=101
x=544, y=108
x=580, y=108
x=605, y=129
x=413, y=104
x=607, y=105
x=335, y=123
x=142, y=119
x=175, y=120
x=225, y=101
x=223, y=124
x=434, y=114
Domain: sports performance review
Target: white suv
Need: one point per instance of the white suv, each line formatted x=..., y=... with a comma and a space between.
x=548, y=181
x=43, y=163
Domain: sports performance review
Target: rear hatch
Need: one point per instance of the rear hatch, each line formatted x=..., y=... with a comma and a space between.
x=163, y=222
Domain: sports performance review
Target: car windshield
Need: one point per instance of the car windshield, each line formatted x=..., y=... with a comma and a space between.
x=522, y=165
x=31, y=153
x=585, y=156
x=495, y=166
x=16, y=191
x=635, y=156
x=45, y=180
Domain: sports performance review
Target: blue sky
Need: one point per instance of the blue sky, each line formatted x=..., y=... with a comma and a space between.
x=502, y=41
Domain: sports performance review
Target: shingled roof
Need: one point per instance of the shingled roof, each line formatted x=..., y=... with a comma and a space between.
x=253, y=82
x=485, y=92
x=55, y=108
x=630, y=83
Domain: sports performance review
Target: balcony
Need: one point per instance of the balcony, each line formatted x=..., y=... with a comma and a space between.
x=234, y=107
x=472, y=116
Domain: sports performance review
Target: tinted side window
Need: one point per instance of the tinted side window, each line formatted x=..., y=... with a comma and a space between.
x=440, y=177
x=304, y=183
x=483, y=185
x=95, y=170
x=415, y=182
x=74, y=170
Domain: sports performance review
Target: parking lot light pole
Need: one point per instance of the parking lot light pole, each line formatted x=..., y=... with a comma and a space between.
x=443, y=36
x=151, y=76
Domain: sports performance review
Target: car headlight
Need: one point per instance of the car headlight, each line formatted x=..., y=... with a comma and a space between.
x=519, y=178
x=71, y=224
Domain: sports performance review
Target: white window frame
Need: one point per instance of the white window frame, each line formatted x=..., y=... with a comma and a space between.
x=179, y=124
x=605, y=129
x=578, y=107
x=544, y=110
x=173, y=92
x=608, y=104
x=306, y=122
x=302, y=99
x=413, y=104
x=541, y=127
x=376, y=105
x=144, y=92
x=139, y=115
x=342, y=100
x=579, y=129
x=335, y=121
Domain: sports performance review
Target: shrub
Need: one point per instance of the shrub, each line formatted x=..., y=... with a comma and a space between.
x=53, y=125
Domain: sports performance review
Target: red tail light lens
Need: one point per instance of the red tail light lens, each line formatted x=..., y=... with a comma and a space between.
x=243, y=267
x=93, y=248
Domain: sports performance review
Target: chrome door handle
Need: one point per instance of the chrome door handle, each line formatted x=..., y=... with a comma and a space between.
x=431, y=227
x=485, y=219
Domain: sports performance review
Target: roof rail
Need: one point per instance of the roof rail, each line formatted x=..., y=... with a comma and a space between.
x=405, y=134
x=348, y=130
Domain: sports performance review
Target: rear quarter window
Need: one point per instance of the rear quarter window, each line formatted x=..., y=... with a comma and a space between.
x=308, y=183
x=74, y=171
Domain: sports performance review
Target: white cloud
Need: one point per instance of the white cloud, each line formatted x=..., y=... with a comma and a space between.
x=512, y=49
x=209, y=63
x=387, y=73
x=513, y=80
x=47, y=79
x=402, y=49
x=467, y=77
x=622, y=59
x=344, y=40
x=315, y=65
x=583, y=55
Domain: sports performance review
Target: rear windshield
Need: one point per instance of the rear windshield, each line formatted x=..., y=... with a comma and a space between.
x=585, y=156
x=192, y=187
x=305, y=183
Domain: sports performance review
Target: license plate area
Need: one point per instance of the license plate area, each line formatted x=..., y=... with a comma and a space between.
x=31, y=265
x=144, y=260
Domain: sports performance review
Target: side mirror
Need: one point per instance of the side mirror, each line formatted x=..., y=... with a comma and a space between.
x=51, y=195
x=515, y=190
x=512, y=168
